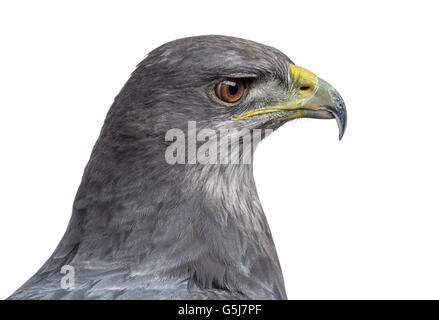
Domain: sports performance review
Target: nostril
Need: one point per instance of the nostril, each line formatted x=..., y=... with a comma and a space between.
x=305, y=88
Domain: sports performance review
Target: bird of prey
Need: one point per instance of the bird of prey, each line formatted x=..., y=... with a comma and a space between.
x=145, y=228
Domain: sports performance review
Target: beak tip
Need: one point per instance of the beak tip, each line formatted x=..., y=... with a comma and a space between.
x=341, y=127
x=339, y=112
x=341, y=117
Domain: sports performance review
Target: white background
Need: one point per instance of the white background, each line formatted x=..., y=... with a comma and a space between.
x=352, y=219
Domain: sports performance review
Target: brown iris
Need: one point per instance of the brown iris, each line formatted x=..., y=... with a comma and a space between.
x=230, y=90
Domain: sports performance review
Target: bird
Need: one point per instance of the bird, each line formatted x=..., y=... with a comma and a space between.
x=147, y=224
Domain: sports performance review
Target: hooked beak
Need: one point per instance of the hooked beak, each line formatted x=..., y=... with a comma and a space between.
x=310, y=97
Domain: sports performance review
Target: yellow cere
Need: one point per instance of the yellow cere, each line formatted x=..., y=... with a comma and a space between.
x=303, y=83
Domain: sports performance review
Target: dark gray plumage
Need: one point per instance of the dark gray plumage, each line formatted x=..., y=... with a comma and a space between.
x=144, y=229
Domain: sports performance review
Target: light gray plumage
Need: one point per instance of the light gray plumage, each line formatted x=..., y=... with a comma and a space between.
x=144, y=229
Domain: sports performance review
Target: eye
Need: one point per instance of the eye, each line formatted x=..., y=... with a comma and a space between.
x=230, y=90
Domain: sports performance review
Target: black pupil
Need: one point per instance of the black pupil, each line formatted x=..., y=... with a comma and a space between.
x=233, y=88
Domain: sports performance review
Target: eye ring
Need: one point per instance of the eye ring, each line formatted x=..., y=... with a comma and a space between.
x=230, y=90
